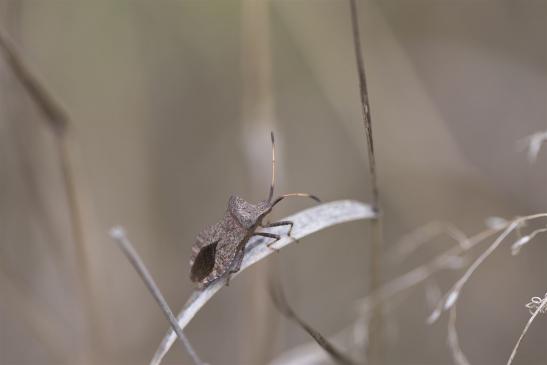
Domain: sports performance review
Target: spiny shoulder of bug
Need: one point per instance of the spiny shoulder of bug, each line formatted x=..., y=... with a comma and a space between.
x=249, y=215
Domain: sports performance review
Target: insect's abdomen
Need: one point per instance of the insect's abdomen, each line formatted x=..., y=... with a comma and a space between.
x=228, y=250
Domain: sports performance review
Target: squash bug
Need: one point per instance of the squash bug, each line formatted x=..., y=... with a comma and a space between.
x=219, y=248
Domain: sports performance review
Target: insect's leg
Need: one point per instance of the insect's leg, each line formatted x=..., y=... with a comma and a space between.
x=281, y=223
x=238, y=259
x=235, y=266
x=269, y=235
x=306, y=195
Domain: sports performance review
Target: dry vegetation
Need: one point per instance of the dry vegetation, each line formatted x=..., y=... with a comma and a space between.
x=391, y=271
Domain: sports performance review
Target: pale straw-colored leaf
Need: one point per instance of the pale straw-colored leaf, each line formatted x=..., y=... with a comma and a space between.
x=306, y=222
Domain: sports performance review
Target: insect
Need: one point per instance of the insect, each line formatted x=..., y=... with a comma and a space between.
x=219, y=249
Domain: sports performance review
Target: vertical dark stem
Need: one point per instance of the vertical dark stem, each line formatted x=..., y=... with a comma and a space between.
x=375, y=325
x=257, y=119
x=365, y=106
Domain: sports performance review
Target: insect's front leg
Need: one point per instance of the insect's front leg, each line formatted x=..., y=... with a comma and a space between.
x=281, y=223
x=237, y=262
x=269, y=235
x=235, y=266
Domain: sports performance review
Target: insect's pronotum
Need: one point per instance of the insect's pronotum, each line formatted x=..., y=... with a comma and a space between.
x=219, y=249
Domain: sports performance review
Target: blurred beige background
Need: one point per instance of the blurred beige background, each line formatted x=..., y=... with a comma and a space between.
x=171, y=105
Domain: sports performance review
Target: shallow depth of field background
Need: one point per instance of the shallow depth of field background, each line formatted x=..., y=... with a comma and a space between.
x=172, y=103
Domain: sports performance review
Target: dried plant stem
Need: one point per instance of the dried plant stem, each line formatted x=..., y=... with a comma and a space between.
x=58, y=120
x=119, y=235
x=453, y=341
x=414, y=240
x=407, y=281
x=451, y=297
x=445, y=260
x=280, y=301
x=375, y=324
x=539, y=309
x=533, y=144
x=257, y=121
x=365, y=105
x=374, y=350
x=54, y=112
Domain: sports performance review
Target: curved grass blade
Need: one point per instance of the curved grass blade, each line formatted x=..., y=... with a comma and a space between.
x=306, y=222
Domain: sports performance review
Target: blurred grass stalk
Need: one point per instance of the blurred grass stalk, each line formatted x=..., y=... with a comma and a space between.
x=375, y=325
x=58, y=121
x=257, y=120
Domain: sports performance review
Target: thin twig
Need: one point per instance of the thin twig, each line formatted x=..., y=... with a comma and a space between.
x=450, y=259
x=257, y=119
x=539, y=309
x=450, y=298
x=533, y=144
x=364, y=102
x=453, y=341
x=119, y=235
x=280, y=301
x=374, y=350
x=409, y=243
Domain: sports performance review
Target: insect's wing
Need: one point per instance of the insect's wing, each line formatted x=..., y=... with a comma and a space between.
x=203, y=252
x=227, y=250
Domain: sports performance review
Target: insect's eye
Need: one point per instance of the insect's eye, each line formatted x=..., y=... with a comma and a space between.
x=204, y=263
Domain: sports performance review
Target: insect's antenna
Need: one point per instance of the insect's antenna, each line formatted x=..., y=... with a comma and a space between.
x=273, y=169
x=305, y=195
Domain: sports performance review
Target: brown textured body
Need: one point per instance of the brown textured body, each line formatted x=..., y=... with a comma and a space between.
x=218, y=250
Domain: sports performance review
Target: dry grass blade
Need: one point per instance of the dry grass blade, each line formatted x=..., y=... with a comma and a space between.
x=282, y=305
x=516, y=247
x=58, y=121
x=54, y=112
x=453, y=294
x=365, y=105
x=306, y=222
x=538, y=310
x=374, y=346
x=119, y=235
x=422, y=235
x=453, y=341
x=450, y=259
x=533, y=144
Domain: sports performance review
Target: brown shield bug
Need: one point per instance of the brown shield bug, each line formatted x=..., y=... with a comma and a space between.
x=219, y=248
